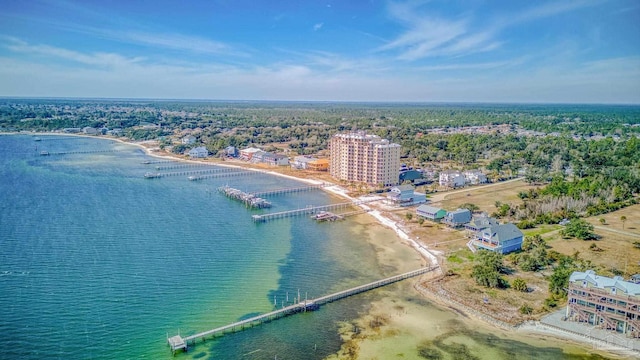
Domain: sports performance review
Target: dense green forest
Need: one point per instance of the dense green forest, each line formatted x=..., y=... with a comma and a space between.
x=589, y=155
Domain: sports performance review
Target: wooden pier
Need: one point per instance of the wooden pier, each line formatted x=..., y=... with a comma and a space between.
x=226, y=173
x=77, y=152
x=181, y=166
x=201, y=174
x=249, y=200
x=309, y=210
x=148, y=162
x=288, y=190
x=178, y=342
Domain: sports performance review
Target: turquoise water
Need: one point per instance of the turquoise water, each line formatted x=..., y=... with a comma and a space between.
x=98, y=262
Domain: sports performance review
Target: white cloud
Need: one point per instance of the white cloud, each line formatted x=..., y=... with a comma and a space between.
x=318, y=26
x=98, y=58
x=427, y=35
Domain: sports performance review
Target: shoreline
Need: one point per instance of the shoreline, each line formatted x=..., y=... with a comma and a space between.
x=443, y=300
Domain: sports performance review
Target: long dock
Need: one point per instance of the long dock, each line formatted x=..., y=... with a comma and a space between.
x=178, y=342
x=226, y=173
x=196, y=174
x=309, y=210
x=288, y=190
x=181, y=166
x=77, y=152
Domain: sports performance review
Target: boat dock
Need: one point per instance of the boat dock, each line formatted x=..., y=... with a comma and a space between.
x=181, y=166
x=329, y=216
x=77, y=152
x=226, y=173
x=248, y=199
x=309, y=210
x=148, y=162
x=196, y=174
x=288, y=190
x=178, y=342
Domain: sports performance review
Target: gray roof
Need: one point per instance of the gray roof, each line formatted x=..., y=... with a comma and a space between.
x=428, y=209
x=459, y=216
x=604, y=282
x=503, y=232
x=404, y=187
x=483, y=221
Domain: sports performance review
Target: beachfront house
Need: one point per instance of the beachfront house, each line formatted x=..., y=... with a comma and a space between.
x=404, y=195
x=231, y=151
x=457, y=218
x=301, y=162
x=480, y=222
x=451, y=178
x=247, y=154
x=608, y=303
x=318, y=165
x=275, y=159
x=431, y=212
x=502, y=239
x=474, y=177
x=199, y=152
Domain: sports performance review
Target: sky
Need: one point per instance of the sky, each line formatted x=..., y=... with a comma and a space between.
x=505, y=51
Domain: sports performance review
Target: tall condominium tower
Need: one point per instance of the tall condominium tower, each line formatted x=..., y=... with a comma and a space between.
x=359, y=157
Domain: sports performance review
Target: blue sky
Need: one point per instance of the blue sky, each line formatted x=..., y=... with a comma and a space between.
x=574, y=51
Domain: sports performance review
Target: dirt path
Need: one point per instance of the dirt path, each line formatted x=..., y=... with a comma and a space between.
x=626, y=233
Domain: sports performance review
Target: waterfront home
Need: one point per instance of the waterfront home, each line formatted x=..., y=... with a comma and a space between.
x=502, y=239
x=480, y=222
x=275, y=159
x=475, y=177
x=451, y=178
x=318, y=165
x=199, y=152
x=89, y=130
x=457, y=218
x=231, y=151
x=247, y=154
x=431, y=212
x=604, y=302
x=404, y=195
x=188, y=140
x=302, y=162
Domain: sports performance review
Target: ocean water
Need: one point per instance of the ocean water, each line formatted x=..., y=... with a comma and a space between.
x=98, y=262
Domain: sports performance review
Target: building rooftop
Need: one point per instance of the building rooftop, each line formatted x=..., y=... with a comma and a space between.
x=603, y=282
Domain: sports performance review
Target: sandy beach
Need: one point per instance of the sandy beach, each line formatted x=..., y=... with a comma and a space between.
x=405, y=314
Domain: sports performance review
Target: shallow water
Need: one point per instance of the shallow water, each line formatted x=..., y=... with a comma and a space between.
x=98, y=262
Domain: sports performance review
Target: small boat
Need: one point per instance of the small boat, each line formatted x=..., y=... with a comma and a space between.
x=44, y=153
x=36, y=139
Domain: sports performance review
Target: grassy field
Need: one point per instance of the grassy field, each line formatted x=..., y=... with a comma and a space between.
x=485, y=197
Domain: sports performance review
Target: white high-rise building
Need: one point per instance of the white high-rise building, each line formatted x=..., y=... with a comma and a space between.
x=359, y=157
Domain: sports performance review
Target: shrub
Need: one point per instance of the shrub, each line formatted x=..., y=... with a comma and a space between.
x=519, y=285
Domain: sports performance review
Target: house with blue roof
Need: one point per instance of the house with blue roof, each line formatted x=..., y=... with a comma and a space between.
x=502, y=239
x=457, y=218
